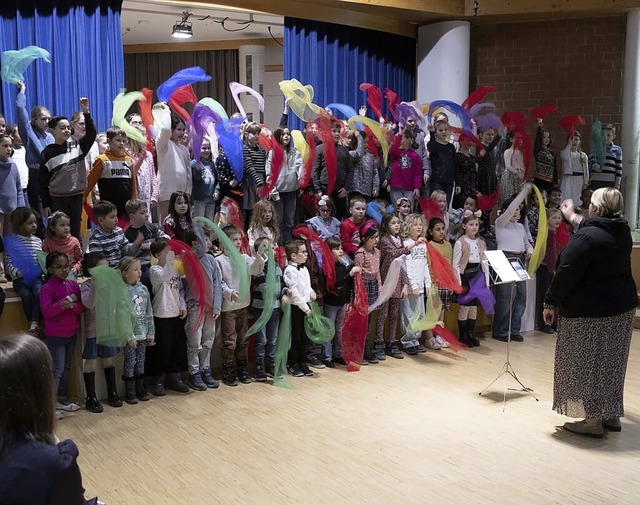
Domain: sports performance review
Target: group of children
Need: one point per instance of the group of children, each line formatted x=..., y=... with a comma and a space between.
x=176, y=324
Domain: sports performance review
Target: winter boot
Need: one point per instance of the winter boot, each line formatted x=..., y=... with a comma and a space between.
x=243, y=374
x=91, y=402
x=462, y=333
x=110, y=376
x=261, y=373
x=141, y=391
x=208, y=379
x=229, y=373
x=175, y=383
x=471, y=323
x=130, y=390
x=158, y=386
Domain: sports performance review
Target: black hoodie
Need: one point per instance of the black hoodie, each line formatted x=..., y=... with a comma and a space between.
x=593, y=277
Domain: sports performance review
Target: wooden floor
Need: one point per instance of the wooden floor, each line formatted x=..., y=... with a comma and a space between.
x=405, y=432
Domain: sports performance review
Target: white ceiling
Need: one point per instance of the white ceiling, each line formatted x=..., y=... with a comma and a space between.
x=151, y=21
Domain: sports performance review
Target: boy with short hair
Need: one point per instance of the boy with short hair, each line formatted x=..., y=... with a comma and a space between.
x=138, y=213
x=234, y=316
x=108, y=238
x=113, y=172
x=350, y=227
x=11, y=196
x=610, y=175
x=201, y=334
x=298, y=283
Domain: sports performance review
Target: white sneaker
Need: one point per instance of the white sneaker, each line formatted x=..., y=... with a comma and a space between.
x=59, y=415
x=443, y=343
x=68, y=407
x=432, y=343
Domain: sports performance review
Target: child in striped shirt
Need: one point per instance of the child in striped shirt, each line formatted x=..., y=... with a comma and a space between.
x=108, y=238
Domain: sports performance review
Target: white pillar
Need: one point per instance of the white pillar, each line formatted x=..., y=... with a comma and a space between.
x=251, y=73
x=443, y=61
x=630, y=135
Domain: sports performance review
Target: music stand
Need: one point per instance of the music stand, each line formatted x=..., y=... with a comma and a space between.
x=503, y=270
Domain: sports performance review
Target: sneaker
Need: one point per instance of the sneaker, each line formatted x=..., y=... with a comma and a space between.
x=208, y=379
x=306, y=371
x=411, y=351
x=67, y=407
x=36, y=332
x=295, y=371
x=378, y=350
x=517, y=338
x=395, y=352
x=261, y=374
x=270, y=368
x=339, y=360
x=329, y=363
x=196, y=382
x=433, y=344
x=443, y=343
x=421, y=348
x=59, y=415
x=314, y=362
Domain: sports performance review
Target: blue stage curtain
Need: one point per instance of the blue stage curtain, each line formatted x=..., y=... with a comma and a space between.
x=85, y=43
x=336, y=59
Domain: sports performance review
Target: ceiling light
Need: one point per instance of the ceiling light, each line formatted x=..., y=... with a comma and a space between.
x=183, y=29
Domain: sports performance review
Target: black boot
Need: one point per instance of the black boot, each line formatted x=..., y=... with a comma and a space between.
x=471, y=323
x=229, y=373
x=91, y=402
x=243, y=374
x=158, y=385
x=269, y=367
x=141, y=391
x=110, y=376
x=462, y=333
x=261, y=373
x=130, y=390
x=174, y=382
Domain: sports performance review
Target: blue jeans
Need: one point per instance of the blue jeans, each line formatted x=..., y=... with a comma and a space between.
x=501, y=316
x=336, y=314
x=61, y=350
x=30, y=296
x=265, y=343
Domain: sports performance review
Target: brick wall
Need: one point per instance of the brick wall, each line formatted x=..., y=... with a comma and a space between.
x=575, y=63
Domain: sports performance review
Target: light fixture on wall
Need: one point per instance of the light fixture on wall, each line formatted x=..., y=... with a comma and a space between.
x=183, y=29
